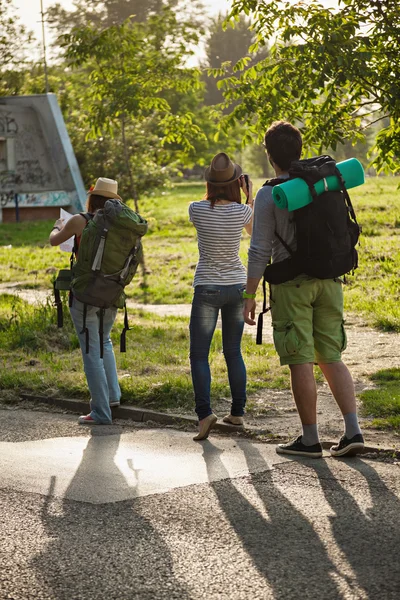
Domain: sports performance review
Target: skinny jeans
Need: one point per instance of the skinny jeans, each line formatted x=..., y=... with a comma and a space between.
x=208, y=300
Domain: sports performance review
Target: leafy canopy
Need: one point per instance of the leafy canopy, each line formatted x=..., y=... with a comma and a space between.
x=14, y=42
x=131, y=67
x=335, y=71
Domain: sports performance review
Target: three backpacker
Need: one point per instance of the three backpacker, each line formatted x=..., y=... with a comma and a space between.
x=326, y=228
x=108, y=256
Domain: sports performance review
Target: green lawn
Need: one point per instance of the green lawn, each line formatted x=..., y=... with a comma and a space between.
x=171, y=251
x=37, y=357
x=383, y=403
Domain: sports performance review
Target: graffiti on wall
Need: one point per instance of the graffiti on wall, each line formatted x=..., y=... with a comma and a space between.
x=28, y=172
x=57, y=198
x=6, y=198
x=34, y=167
x=8, y=124
x=31, y=172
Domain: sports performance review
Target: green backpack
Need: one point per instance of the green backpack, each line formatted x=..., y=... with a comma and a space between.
x=109, y=254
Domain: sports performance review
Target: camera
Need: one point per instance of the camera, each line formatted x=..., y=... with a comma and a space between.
x=245, y=185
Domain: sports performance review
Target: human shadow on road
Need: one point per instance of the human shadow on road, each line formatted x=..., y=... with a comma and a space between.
x=102, y=551
x=368, y=537
x=285, y=549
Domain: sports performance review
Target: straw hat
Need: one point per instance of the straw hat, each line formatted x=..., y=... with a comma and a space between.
x=222, y=170
x=105, y=187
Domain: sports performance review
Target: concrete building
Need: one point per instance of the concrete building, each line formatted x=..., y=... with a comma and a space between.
x=38, y=169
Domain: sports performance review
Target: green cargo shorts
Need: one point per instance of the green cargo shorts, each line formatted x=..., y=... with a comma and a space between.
x=307, y=320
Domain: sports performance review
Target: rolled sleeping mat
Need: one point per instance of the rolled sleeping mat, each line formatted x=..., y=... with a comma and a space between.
x=295, y=193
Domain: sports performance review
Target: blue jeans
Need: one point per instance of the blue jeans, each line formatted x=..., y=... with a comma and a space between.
x=207, y=302
x=101, y=373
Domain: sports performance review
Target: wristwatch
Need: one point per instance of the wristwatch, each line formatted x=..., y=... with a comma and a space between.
x=246, y=295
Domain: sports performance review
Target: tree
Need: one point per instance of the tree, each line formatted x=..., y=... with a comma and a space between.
x=224, y=46
x=130, y=71
x=14, y=42
x=334, y=71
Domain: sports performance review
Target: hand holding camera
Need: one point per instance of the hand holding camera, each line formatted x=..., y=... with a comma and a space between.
x=247, y=186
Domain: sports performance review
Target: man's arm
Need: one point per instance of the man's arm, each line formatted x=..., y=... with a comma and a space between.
x=260, y=248
x=249, y=308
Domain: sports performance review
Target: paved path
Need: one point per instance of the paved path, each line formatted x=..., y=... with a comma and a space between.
x=124, y=513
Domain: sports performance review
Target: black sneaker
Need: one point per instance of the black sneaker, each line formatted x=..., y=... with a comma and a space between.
x=297, y=447
x=348, y=447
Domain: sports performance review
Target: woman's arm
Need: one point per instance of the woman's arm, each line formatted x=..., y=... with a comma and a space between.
x=61, y=233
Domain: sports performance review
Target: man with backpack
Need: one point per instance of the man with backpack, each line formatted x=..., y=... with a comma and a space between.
x=107, y=251
x=307, y=311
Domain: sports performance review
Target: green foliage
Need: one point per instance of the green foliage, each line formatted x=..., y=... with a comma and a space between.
x=226, y=51
x=14, y=44
x=134, y=73
x=130, y=65
x=383, y=403
x=332, y=70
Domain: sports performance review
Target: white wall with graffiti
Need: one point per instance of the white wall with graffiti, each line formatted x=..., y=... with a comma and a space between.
x=38, y=167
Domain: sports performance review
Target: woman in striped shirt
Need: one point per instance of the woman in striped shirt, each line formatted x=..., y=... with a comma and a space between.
x=219, y=282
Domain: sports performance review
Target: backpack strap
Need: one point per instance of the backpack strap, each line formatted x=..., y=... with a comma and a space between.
x=131, y=256
x=346, y=196
x=284, y=244
x=85, y=330
x=265, y=309
x=122, y=340
x=100, y=251
x=275, y=181
x=101, y=332
x=59, y=306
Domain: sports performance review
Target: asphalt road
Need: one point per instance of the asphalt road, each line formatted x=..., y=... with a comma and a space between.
x=130, y=512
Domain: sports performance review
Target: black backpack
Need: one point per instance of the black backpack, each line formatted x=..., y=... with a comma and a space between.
x=327, y=231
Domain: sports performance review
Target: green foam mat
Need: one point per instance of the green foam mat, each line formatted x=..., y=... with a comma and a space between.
x=295, y=193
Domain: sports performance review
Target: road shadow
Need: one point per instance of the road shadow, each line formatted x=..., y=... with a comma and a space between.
x=284, y=548
x=102, y=551
x=369, y=537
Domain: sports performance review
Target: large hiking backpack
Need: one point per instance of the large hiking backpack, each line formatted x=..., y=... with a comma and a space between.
x=326, y=229
x=109, y=253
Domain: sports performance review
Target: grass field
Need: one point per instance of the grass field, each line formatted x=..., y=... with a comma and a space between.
x=171, y=251
x=37, y=357
x=383, y=403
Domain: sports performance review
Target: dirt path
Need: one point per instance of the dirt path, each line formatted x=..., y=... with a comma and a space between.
x=367, y=351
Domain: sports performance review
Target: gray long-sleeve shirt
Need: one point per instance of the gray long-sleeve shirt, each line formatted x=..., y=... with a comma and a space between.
x=267, y=219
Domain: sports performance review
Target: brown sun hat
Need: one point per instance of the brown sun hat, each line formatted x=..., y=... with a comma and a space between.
x=222, y=170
